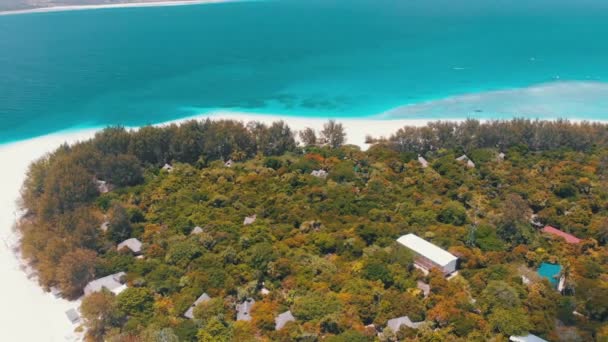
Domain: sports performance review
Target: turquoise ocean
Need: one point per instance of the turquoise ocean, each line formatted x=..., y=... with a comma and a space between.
x=418, y=59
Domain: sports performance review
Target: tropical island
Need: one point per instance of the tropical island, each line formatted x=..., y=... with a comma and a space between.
x=225, y=231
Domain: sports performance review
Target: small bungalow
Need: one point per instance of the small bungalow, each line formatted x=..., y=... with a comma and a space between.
x=556, y=232
x=465, y=159
x=264, y=291
x=243, y=310
x=501, y=156
x=103, y=186
x=196, y=230
x=534, y=220
x=250, y=219
x=113, y=283
x=190, y=312
x=423, y=162
x=396, y=323
x=73, y=315
x=527, y=338
x=428, y=255
x=167, y=168
x=104, y=226
x=319, y=173
x=283, y=319
x=132, y=244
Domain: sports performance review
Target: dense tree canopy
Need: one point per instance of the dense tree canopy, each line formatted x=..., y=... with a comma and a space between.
x=324, y=248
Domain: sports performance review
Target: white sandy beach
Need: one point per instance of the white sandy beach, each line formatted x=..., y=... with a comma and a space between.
x=108, y=6
x=30, y=314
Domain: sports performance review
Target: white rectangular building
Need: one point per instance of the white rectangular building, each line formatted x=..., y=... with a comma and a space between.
x=428, y=255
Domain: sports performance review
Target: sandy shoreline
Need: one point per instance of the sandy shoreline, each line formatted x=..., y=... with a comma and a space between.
x=109, y=6
x=28, y=313
x=22, y=297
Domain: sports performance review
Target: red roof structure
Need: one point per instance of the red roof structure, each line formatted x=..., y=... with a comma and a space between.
x=568, y=237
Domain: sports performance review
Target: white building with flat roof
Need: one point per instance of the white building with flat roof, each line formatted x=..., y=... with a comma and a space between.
x=428, y=255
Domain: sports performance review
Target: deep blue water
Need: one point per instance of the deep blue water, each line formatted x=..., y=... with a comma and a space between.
x=328, y=58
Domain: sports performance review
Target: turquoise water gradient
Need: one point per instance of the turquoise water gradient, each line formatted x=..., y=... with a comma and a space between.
x=338, y=58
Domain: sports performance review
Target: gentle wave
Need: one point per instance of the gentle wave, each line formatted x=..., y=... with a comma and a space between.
x=571, y=99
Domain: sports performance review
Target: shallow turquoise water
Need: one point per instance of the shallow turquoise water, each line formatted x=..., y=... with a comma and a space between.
x=550, y=271
x=321, y=58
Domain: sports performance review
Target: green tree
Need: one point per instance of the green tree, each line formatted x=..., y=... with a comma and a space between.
x=119, y=227
x=66, y=187
x=509, y=321
x=215, y=331
x=453, y=213
x=136, y=302
x=333, y=134
x=314, y=306
x=75, y=270
x=100, y=314
x=308, y=137
x=122, y=170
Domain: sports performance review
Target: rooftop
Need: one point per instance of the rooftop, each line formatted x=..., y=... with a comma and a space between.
x=319, y=173
x=73, y=315
x=423, y=161
x=249, y=219
x=112, y=283
x=396, y=323
x=133, y=244
x=190, y=312
x=527, y=338
x=283, y=319
x=568, y=237
x=196, y=230
x=427, y=249
x=243, y=310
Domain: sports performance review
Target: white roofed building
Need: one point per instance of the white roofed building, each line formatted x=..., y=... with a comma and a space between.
x=396, y=323
x=73, y=315
x=527, y=338
x=465, y=159
x=133, y=244
x=196, y=230
x=283, y=319
x=428, y=255
x=249, y=219
x=243, y=310
x=113, y=283
x=319, y=173
x=190, y=312
x=423, y=162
